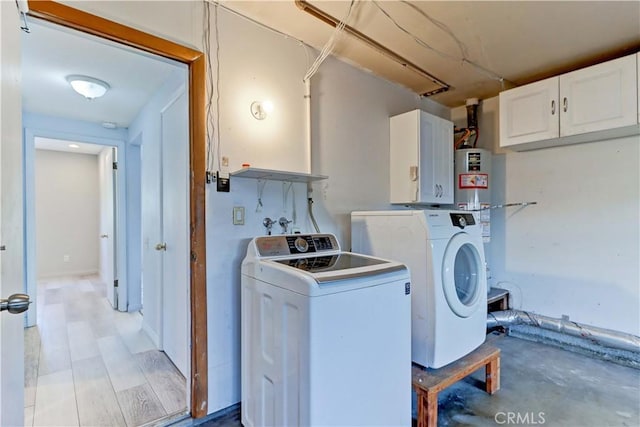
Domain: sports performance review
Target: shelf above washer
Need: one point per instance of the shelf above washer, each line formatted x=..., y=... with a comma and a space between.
x=274, y=175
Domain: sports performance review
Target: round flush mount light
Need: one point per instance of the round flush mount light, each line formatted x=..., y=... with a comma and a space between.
x=88, y=87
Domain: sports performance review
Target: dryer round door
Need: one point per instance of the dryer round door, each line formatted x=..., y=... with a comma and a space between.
x=463, y=275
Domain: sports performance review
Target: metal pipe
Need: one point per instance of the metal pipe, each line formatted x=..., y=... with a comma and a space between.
x=328, y=19
x=601, y=336
x=310, y=205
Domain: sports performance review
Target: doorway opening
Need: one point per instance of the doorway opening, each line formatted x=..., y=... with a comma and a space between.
x=195, y=252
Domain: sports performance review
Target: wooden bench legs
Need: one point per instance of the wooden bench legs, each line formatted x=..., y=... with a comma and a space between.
x=428, y=382
x=492, y=375
x=427, y=408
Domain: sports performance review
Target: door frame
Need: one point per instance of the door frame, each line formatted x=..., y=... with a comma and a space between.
x=195, y=60
x=32, y=130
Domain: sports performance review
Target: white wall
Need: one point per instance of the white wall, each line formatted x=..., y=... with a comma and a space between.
x=67, y=213
x=350, y=127
x=576, y=252
x=256, y=65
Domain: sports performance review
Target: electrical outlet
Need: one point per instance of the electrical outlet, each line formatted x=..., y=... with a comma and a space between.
x=65, y=258
x=225, y=161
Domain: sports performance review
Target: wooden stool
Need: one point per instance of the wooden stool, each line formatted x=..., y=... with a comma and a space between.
x=428, y=382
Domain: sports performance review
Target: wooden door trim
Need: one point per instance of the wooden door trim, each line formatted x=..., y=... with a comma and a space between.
x=92, y=24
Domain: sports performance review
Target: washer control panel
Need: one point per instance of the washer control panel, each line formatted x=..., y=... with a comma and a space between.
x=462, y=219
x=296, y=244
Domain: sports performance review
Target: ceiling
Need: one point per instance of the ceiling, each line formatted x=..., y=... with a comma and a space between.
x=53, y=144
x=478, y=48
x=51, y=52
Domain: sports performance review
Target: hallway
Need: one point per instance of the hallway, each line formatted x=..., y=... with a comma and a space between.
x=88, y=365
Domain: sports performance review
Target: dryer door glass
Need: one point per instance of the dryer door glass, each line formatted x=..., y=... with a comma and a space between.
x=463, y=276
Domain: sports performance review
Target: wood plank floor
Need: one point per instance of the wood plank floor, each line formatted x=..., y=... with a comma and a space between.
x=89, y=365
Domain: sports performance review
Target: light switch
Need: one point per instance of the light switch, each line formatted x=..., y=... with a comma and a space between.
x=238, y=215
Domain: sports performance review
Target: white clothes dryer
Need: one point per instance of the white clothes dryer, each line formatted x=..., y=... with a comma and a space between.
x=445, y=254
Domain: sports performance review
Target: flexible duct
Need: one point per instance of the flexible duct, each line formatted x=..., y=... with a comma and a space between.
x=601, y=336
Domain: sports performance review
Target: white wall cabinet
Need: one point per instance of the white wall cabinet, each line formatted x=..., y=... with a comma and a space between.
x=421, y=155
x=603, y=97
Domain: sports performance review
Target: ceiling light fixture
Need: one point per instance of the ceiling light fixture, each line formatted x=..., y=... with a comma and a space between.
x=88, y=87
x=261, y=109
x=74, y=146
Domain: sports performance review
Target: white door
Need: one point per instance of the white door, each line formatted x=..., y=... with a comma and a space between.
x=530, y=113
x=175, y=230
x=11, y=218
x=108, y=215
x=463, y=275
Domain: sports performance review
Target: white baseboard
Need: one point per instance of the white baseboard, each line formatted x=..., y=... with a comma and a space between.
x=153, y=335
x=68, y=273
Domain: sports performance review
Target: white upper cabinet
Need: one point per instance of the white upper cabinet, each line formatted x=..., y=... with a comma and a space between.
x=601, y=97
x=421, y=156
x=597, y=102
x=529, y=113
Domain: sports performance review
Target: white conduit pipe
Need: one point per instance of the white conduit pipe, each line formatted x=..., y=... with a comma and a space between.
x=307, y=104
x=601, y=336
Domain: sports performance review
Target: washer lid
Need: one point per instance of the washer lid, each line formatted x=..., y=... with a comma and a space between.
x=343, y=266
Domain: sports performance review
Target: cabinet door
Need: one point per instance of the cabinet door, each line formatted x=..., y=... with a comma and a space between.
x=436, y=160
x=446, y=173
x=600, y=97
x=404, y=170
x=438, y=143
x=529, y=113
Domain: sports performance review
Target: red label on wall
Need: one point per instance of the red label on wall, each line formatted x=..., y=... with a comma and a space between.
x=473, y=180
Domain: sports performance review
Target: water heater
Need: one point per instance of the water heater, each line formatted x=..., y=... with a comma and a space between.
x=472, y=184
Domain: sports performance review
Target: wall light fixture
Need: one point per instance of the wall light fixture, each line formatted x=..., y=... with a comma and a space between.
x=88, y=87
x=261, y=109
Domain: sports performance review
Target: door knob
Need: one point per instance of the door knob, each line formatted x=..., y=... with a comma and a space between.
x=104, y=236
x=161, y=246
x=15, y=304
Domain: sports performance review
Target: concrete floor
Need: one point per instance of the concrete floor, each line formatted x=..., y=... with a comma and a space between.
x=540, y=385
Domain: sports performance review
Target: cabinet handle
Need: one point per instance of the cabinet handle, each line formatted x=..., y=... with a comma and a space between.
x=565, y=104
x=413, y=173
x=553, y=107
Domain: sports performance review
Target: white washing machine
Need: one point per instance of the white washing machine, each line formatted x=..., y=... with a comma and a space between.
x=444, y=252
x=326, y=335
